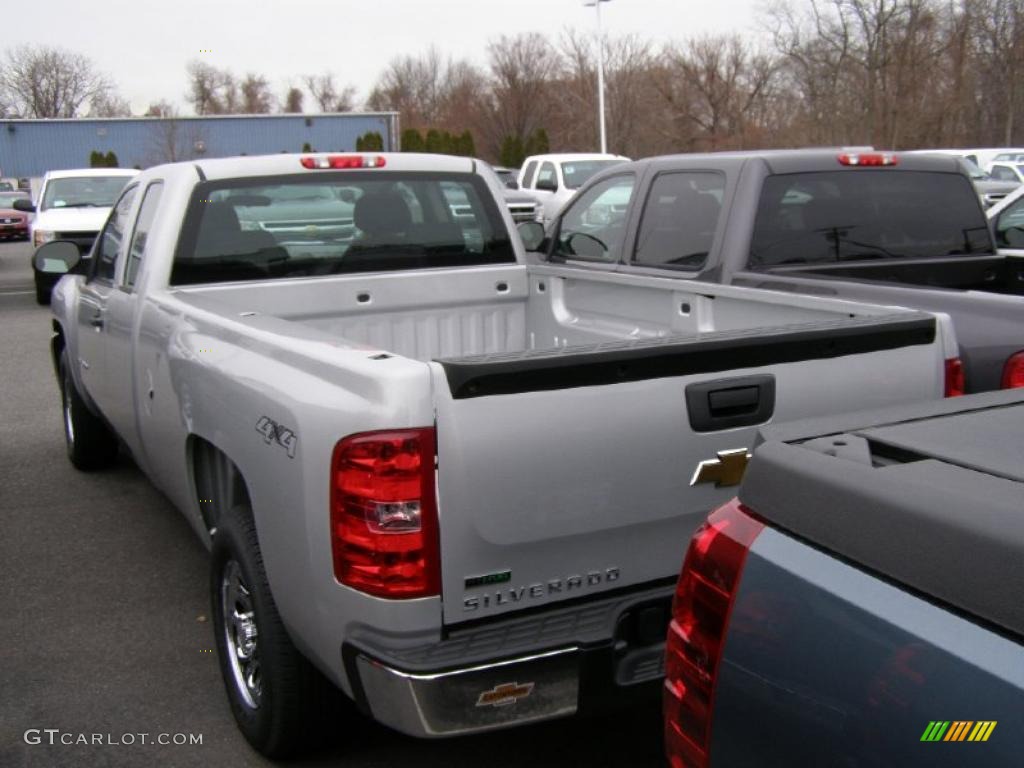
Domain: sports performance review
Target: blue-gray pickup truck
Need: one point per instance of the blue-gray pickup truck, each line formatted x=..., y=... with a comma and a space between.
x=861, y=603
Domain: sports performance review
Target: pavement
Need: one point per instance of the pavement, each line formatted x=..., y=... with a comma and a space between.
x=104, y=614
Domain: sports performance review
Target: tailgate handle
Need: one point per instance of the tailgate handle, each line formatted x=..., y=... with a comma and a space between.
x=730, y=403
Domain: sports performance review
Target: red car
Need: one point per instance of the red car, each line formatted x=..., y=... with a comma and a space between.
x=13, y=224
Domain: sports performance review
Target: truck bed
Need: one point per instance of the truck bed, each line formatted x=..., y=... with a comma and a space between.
x=525, y=312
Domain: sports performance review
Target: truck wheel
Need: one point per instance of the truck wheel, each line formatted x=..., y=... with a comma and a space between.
x=91, y=445
x=274, y=692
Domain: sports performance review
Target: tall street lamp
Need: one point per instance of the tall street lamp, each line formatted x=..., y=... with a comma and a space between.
x=600, y=71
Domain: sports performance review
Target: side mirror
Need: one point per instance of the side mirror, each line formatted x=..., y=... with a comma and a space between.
x=56, y=258
x=532, y=234
x=21, y=204
x=547, y=185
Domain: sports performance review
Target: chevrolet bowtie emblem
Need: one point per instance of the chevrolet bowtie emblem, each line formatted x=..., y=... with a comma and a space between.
x=504, y=694
x=726, y=470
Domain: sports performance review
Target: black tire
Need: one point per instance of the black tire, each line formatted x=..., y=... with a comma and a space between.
x=284, y=716
x=91, y=445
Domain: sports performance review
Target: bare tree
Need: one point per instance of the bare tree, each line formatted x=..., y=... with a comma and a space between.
x=256, y=96
x=109, y=104
x=44, y=81
x=293, y=99
x=523, y=69
x=327, y=94
x=204, y=88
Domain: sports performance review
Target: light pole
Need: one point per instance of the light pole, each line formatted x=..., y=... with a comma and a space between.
x=600, y=72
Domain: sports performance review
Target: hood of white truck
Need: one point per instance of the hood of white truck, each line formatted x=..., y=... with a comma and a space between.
x=71, y=219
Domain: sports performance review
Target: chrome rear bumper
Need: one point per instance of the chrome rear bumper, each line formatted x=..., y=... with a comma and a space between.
x=473, y=699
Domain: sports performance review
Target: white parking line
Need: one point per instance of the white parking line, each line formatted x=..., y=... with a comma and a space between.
x=16, y=293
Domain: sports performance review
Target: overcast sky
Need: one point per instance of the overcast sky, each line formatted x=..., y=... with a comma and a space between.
x=144, y=45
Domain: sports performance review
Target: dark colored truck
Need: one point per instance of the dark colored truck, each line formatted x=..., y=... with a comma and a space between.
x=892, y=229
x=861, y=603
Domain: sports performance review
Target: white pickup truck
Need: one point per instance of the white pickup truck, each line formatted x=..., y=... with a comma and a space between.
x=450, y=482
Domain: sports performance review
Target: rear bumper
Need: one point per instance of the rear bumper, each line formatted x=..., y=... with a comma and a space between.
x=473, y=699
x=594, y=657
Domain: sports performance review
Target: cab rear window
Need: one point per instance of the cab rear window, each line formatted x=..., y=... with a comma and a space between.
x=336, y=223
x=866, y=214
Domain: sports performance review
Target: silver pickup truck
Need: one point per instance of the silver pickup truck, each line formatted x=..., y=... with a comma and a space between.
x=450, y=483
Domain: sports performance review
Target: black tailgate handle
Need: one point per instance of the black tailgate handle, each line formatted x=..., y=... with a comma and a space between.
x=730, y=403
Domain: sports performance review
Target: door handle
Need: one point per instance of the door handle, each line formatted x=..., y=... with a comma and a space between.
x=96, y=321
x=730, y=403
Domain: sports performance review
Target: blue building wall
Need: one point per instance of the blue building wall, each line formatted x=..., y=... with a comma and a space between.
x=33, y=147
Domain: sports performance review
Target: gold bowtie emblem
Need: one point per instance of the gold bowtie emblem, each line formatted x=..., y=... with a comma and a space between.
x=726, y=470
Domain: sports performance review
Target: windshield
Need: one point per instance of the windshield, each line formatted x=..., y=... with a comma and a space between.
x=577, y=172
x=337, y=223
x=83, y=192
x=866, y=214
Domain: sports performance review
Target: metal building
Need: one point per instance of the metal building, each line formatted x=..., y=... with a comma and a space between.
x=30, y=148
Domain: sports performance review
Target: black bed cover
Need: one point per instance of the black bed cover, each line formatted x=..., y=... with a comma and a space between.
x=929, y=495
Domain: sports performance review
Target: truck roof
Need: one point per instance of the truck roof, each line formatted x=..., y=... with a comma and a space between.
x=930, y=495
x=269, y=165
x=808, y=160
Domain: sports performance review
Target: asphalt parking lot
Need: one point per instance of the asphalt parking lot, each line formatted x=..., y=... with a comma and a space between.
x=103, y=613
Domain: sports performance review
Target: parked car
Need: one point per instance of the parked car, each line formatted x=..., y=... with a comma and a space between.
x=448, y=481
x=1008, y=157
x=859, y=603
x=1011, y=172
x=13, y=223
x=554, y=179
x=990, y=189
x=903, y=230
x=6, y=186
x=73, y=204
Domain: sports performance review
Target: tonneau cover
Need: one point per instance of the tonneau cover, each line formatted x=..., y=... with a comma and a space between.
x=931, y=496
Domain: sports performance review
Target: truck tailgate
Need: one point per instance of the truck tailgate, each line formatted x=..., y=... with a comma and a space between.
x=565, y=474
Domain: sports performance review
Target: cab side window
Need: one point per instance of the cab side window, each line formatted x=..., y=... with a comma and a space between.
x=547, y=178
x=147, y=211
x=594, y=226
x=680, y=219
x=108, y=244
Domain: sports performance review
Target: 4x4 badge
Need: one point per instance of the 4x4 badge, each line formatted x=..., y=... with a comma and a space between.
x=726, y=470
x=504, y=694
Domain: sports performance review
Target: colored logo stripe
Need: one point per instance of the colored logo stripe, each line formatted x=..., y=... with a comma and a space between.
x=935, y=730
x=958, y=730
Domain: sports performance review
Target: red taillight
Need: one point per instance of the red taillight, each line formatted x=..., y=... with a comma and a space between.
x=1013, y=371
x=868, y=159
x=954, y=377
x=343, y=161
x=384, y=513
x=696, y=634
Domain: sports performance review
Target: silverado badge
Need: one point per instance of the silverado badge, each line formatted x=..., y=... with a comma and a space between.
x=504, y=694
x=726, y=470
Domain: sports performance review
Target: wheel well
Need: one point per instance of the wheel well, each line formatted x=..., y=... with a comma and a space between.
x=218, y=483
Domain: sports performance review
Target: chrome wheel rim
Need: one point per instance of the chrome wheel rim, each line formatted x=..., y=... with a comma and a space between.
x=241, y=635
x=69, y=425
